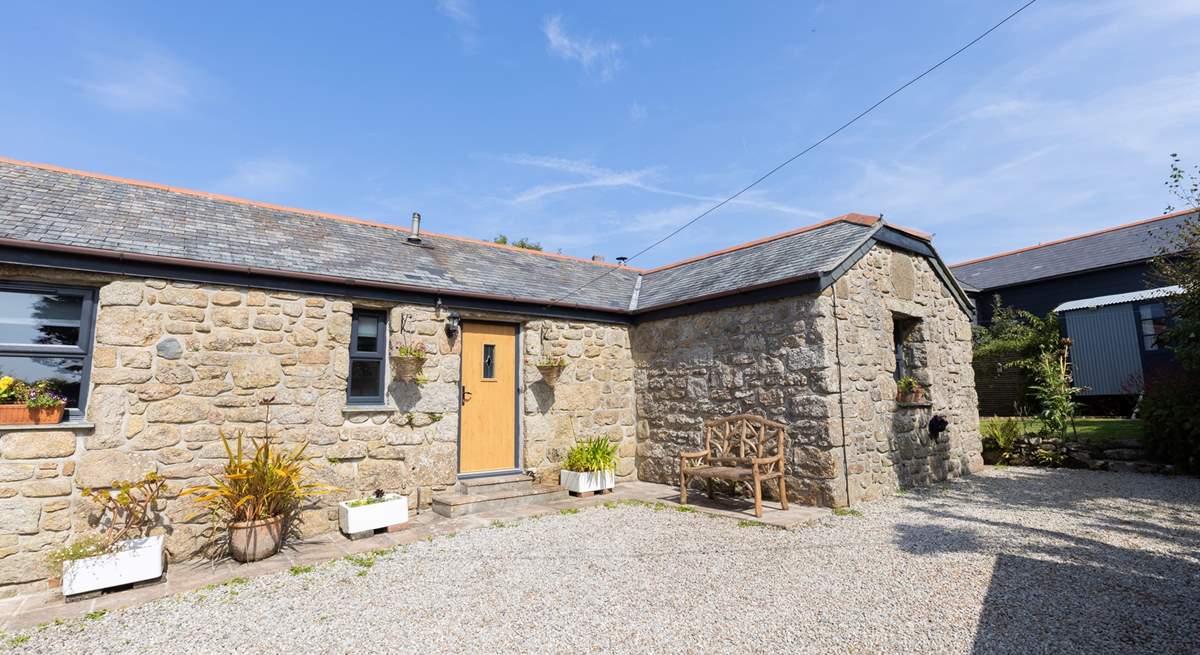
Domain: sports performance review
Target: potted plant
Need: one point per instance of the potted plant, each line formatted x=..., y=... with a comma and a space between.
x=909, y=391
x=254, y=495
x=409, y=361
x=22, y=403
x=551, y=368
x=590, y=467
x=124, y=553
x=363, y=516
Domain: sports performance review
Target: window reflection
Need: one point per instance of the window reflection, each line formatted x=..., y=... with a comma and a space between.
x=45, y=319
x=62, y=373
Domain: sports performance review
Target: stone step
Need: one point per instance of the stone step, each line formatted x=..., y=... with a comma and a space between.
x=462, y=504
x=494, y=483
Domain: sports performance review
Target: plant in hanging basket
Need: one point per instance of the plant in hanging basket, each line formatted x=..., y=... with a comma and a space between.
x=36, y=403
x=551, y=368
x=409, y=361
x=908, y=390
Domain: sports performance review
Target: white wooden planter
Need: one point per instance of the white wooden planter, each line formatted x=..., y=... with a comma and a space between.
x=392, y=511
x=582, y=482
x=133, y=560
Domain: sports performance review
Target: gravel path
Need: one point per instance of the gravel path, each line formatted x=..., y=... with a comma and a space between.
x=1013, y=561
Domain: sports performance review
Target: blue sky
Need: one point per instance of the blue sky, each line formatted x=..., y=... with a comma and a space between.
x=597, y=128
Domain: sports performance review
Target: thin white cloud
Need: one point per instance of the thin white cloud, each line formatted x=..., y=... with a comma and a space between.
x=600, y=57
x=598, y=177
x=637, y=113
x=462, y=12
x=258, y=177
x=139, y=82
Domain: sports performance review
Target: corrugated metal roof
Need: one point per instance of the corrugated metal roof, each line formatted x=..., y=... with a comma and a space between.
x=1112, y=247
x=1119, y=298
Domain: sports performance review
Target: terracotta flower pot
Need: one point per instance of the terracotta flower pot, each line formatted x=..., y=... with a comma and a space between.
x=550, y=374
x=915, y=396
x=408, y=367
x=21, y=415
x=250, y=541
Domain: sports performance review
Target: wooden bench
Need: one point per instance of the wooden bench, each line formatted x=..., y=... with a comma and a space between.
x=742, y=448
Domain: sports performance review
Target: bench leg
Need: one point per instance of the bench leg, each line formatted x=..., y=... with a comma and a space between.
x=757, y=496
x=712, y=495
x=782, y=493
x=682, y=487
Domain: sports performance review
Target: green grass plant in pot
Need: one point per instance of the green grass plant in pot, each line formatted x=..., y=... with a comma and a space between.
x=590, y=466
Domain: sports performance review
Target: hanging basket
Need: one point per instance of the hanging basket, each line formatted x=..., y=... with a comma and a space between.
x=551, y=372
x=408, y=367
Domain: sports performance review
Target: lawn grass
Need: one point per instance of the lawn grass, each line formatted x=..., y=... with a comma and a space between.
x=1100, y=431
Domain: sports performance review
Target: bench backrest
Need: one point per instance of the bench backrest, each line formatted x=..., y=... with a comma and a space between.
x=735, y=439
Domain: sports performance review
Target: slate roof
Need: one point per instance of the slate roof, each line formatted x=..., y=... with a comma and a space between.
x=805, y=252
x=47, y=207
x=59, y=208
x=1124, y=244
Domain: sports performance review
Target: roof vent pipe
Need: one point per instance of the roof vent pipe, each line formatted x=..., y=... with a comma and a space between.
x=415, y=234
x=597, y=258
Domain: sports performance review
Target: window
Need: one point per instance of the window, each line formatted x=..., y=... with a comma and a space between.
x=368, y=352
x=489, y=361
x=1153, y=319
x=903, y=330
x=46, y=334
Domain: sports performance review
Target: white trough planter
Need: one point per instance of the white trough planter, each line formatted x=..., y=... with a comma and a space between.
x=585, y=481
x=392, y=511
x=132, y=560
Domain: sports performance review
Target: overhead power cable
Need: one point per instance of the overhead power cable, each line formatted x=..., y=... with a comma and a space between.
x=803, y=152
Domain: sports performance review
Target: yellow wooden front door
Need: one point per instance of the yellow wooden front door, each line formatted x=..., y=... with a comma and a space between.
x=488, y=434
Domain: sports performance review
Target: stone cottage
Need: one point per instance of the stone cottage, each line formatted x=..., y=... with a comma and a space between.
x=168, y=316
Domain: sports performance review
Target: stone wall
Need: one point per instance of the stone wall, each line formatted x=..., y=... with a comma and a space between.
x=889, y=443
x=779, y=360
x=771, y=359
x=175, y=364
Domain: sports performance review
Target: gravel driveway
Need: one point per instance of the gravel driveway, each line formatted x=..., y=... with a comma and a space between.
x=1012, y=561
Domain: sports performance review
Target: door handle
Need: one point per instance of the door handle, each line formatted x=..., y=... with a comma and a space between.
x=466, y=395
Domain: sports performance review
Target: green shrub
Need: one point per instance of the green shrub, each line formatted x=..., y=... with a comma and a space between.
x=1002, y=434
x=1171, y=413
x=596, y=454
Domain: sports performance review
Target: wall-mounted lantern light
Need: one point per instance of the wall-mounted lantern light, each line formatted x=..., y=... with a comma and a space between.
x=453, y=320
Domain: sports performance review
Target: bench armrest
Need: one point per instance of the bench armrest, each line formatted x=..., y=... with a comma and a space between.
x=756, y=461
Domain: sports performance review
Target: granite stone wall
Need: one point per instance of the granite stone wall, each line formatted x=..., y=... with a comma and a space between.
x=176, y=364
x=889, y=445
x=788, y=359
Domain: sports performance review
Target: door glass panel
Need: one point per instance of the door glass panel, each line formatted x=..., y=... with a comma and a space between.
x=63, y=373
x=47, y=319
x=365, y=379
x=368, y=334
x=489, y=361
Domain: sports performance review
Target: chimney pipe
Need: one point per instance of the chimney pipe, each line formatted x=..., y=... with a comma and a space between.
x=597, y=258
x=415, y=234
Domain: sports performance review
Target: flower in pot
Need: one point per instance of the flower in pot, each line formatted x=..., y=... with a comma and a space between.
x=409, y=361
x=123, y=552
x=909, y=391
x=255, y=494
x=551, y=368
x=22, y=403
x=589, y=467
x=363, y=516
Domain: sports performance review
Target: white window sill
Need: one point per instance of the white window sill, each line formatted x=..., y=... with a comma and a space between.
x=368, y=409
x=65, y=425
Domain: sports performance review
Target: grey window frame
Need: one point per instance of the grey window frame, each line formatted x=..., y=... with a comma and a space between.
x=379, y=355
x=82, y=351
x=1155, y=345
x=903, y=328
